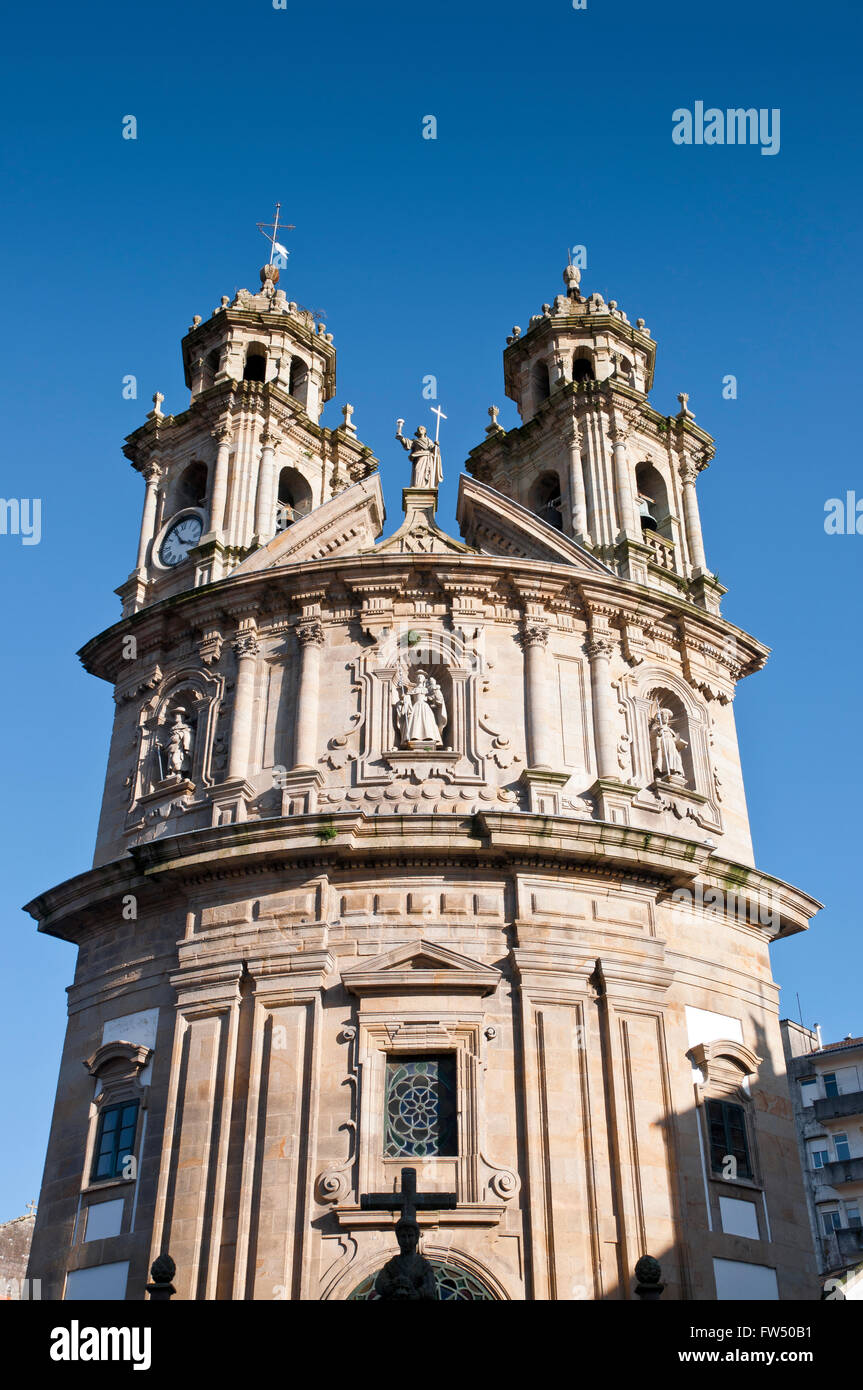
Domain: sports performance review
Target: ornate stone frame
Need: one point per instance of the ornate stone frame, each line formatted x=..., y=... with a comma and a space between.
x=207, y=690
x=699, y=802
x=379, y=761
x=420, y=998
x=726, y=1067
x=116, y=1067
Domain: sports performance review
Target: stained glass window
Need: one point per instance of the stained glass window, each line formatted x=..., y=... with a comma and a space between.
x=420, y=1117
x=452, y=1283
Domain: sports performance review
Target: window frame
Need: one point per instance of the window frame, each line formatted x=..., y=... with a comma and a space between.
x=120, y=1154
x=394, y=1059
x=727, y=1104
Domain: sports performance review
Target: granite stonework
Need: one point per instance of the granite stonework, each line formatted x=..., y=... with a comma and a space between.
x=296, y=878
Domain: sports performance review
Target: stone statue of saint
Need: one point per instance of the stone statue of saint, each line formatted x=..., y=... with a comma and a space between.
x=408, y=1275
x=667, y=743
x=177, y=749
x=420, y=710
x=425, y=457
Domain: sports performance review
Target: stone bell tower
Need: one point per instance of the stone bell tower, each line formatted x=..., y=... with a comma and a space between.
x=593, y=457
x=248, y=456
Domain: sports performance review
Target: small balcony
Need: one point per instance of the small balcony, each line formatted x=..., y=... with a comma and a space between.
x=839, y=1107
x=842, y=1171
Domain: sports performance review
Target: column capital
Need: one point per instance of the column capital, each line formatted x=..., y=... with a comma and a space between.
x=223, y=433
x=310, y=632
x=532, y=634
x=688, y=470
x=269, y=438
x=600, y=647
x=152, y=471
x=245, y=644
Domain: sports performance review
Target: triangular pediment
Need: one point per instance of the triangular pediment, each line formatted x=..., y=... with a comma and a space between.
x=420, y=965
x=347, y=524
x=496, y=525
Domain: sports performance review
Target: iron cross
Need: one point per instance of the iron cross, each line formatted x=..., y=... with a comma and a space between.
x=408, y=1199
x=436, y=410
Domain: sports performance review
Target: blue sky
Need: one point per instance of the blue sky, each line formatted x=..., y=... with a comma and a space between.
x=554, y=129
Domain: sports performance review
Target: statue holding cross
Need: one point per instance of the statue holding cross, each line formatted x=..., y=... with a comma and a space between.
x=427, y=470
x=408, y=1276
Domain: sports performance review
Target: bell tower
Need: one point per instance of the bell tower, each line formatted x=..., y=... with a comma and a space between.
x=592, y=457
x=248, y=456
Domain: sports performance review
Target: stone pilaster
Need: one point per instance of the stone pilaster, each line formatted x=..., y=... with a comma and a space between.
x=629, y=530
x=577, y=495
x=301, y=784
x=612, y=797
x=224, y=437
x=266, y=501
x=230, y=798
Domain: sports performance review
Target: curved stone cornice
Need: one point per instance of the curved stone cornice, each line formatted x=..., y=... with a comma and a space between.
x=276, y=590
x=502, y=840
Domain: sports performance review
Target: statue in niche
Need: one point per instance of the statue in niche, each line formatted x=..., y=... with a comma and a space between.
x=420, y=711
x=667, y=743
x=175, y=754
x=425, y=456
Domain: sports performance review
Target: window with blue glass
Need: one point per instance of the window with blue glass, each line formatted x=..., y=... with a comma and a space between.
x=421, y=1117
x=115, y=1139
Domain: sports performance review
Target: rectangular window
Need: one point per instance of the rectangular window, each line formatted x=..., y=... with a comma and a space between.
x=729, y=1148
x=820, y=1157
x=831, y=1085
x=115, y=1139
x=421, y=1117
x=809, y=1089
x=852, y=1217
x=830, y=1221
x=840, y=1144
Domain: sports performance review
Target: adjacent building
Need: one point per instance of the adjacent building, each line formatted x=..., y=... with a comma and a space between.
x=826, y=1086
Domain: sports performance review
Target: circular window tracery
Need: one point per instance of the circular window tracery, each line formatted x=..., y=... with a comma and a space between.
x=452, y=1283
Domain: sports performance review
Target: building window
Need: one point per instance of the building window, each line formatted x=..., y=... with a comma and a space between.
x=726, y=1124
x=830, y=1220
x=831, y=1085
x=115, y=1139
x=840, y=1144
x=820, y=1157
x=809, y=1089
x=852, y=1217
x=420, y=1119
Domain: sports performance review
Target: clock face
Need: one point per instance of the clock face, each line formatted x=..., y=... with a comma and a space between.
x=182, y=537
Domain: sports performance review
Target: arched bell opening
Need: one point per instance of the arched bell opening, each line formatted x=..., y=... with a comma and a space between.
x=654, y=511
x=546, y=501
x=255, y=368
x=294, y=500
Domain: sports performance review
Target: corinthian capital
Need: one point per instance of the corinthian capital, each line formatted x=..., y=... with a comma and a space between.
x=533, y=634
x=269, y=438
x=246, y=644
x=688, y=471
x=310, y=633
x=600, y=647
x=152, y=472
x=223, y=434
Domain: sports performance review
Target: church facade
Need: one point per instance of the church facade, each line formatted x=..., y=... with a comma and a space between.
x=424, y=851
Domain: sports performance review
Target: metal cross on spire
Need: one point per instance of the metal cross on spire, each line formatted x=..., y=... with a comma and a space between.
x=271, y=230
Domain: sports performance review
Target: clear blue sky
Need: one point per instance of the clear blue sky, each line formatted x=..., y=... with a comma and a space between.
x=554, y=129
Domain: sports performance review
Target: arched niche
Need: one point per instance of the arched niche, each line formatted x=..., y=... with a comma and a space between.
x=582, y=365
x=402, y=654
x=255, y=363
x=298, y=380
x=540, y=382
x=190, y=489
x=294, y=498
x=655, y=688
x=545, y=499
x=196, y=696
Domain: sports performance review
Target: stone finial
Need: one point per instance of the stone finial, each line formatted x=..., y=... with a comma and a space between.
x=157, y=403
x=162, y=1272
x=493, y=411
x=514, y=335
x=349, y=426
x=685, y=412
x=572, y=280
x=648, y=1274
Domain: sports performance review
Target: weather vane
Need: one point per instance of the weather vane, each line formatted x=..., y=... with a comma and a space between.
x=271, y=230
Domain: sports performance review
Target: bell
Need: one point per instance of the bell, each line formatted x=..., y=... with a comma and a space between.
x=648, y=520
